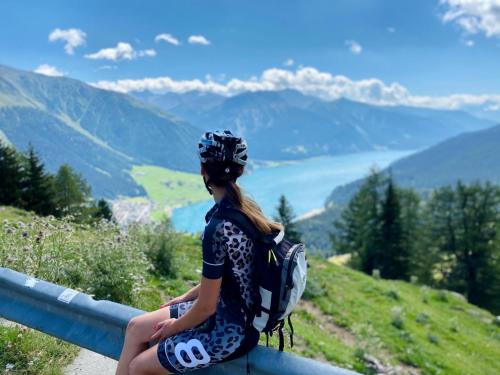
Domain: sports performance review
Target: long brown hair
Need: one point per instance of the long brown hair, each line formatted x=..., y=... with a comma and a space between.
x=224, y=175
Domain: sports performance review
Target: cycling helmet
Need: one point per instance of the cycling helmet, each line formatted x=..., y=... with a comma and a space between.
x=222, y=146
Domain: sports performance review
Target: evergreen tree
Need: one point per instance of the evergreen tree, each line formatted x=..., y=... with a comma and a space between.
x=37, y=193
x=103, y=210
x=395, y=259
x=358, y=231
x=286, y=216
x=10, y=176
x=71, y=192
x=464, y=228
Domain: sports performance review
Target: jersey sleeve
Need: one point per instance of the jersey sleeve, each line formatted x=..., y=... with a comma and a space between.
x=214, y=248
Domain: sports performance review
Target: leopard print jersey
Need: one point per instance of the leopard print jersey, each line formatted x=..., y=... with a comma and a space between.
x=239, y=251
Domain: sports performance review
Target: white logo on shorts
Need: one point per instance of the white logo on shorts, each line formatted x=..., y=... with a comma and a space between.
x=187, y=347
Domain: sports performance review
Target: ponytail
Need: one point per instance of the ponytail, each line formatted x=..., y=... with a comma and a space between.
x=225, y=175
x=250, y=209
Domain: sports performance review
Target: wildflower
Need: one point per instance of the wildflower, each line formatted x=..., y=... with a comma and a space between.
x=25, y=234
x=9, y=230
x=20, y=224
x=9, y=366
x=39, y=237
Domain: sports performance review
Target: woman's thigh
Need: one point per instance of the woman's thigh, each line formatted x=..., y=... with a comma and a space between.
x=147, y=363
x=142, y=327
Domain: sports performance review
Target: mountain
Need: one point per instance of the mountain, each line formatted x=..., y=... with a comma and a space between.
x=184, y=102
x=282, y=125
x=468, y=157
x=100, y=133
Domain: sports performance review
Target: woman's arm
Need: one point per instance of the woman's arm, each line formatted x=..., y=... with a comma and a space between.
x=213, y=250
x=204, y=307
x=190, y=295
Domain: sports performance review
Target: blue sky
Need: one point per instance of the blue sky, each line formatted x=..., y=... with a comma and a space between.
x=389, y=51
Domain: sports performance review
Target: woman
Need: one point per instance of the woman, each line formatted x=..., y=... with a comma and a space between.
x=208, y=324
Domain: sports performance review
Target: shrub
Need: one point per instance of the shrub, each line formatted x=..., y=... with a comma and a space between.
x=397, y=317
x=313, y=290
x=442, y=296
x=433, y=339
x=160, y=243
x=454, y=327
x=98, y=259
x=392, y=294
x=422, y=318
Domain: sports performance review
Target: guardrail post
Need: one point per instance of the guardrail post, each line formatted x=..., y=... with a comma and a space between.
x=100, y=326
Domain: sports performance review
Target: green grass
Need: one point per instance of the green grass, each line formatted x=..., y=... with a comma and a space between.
x=28, y=352
x=453, y=337
x=169, y=189
x=347, y=315
x=14, y=214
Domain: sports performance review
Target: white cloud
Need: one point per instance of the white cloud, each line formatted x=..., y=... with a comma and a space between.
x=147, y=52
x=73, y=38
x=391, y=29
x=122, y=51
x=288, y=62
x=354, y=46
x=48, y=70
x=198, y=39
x=309, y=81
x=474, y=16
x=469, y=43
x=167, y=38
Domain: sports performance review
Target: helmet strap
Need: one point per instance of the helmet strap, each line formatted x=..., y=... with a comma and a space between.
x=207, y=186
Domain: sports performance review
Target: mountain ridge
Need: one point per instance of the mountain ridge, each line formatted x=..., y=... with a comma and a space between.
x=287, y=124
x=100, y=133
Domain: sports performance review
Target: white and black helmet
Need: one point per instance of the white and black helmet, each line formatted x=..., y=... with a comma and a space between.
x=222, y=146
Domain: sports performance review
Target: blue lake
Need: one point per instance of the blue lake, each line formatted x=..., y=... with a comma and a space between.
x=305, y=183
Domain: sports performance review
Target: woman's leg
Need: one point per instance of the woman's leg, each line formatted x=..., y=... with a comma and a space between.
x=139, y=331
x=147, y=363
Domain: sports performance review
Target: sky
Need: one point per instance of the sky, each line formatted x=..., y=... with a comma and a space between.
x=431, y=53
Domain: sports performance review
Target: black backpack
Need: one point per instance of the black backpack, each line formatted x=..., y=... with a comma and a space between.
x=280, y=274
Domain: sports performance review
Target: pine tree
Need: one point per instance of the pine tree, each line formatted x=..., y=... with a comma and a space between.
x=395, y=259
x=103, y=210
x=71, y=192
x=10, y=176
x=464, y=229
x=286, y=216
x=37, y=193
x=358, y=231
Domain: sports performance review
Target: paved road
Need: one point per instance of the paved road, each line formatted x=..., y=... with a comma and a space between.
x=90, y=363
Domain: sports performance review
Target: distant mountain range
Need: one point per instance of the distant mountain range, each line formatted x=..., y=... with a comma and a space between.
x=100, y=133
x=288, y=125
x=469, y=157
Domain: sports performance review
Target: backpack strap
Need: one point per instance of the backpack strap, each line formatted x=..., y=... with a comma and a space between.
x=245, y=224
x=241, y=220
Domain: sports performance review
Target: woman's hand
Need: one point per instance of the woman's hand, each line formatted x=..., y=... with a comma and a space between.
x=190, y=295
x=174, y=301
x=164, y=329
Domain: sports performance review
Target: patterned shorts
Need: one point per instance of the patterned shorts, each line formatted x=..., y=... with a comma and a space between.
x=209, y=343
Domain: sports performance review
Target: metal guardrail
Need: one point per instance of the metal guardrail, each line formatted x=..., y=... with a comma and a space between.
x=100, y=326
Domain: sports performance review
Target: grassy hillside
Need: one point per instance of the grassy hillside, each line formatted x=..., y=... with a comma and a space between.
x=100, y=133
x=347, y=318
x=168, y=188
